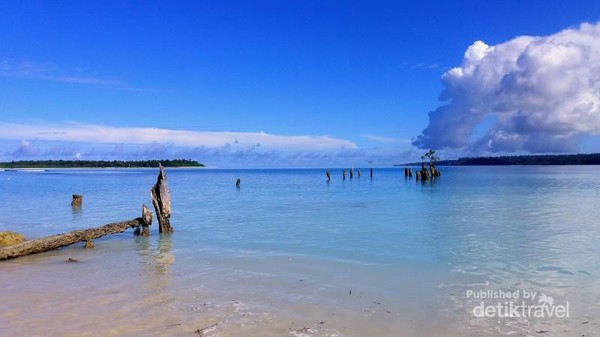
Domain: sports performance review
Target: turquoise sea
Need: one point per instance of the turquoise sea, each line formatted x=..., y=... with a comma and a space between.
x=289, y=254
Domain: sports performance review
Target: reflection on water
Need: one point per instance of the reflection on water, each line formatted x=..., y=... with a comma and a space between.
x=164, y=258
x=155, y=258
x=76, y=209
x=78, y=215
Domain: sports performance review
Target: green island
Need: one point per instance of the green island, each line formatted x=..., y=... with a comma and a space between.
x=560, y=159
x=99, y=163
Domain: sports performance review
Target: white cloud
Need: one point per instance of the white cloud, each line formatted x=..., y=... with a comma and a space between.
x=216, y=149
x=99, y=134
x=26, y=149
x=541, y=94
x=383, y=139
x=50, y=72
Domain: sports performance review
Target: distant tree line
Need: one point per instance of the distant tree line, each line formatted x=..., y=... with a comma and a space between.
x=99, y=163
x=560, y=159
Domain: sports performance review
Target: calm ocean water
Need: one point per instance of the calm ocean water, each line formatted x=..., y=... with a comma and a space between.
x=291, y=255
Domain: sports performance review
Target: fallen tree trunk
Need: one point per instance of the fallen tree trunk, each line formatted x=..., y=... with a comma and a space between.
x=66, y=239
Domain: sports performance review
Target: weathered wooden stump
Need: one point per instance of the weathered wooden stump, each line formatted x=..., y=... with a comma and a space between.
x=344, y=174
x=146, y=220
x=434, y=171
x=358, y=172
x=77, y=200
x=405, y=172
x=328, y=175
x=161, y=200
x=410, y=173
x=238, y=183
x=424, y=173
x=351, y=173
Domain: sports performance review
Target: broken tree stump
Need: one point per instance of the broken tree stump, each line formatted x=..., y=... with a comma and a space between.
x=65, y=239
x=161, y=200
x=77, y=200
x=424, y=173
x=328, y=175
x=146, y=220
x=434, y=171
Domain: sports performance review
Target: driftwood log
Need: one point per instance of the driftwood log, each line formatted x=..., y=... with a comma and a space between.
x=161, y=200
x=66, y=239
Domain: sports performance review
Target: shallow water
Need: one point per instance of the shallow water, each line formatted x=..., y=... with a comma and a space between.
x=291, y=255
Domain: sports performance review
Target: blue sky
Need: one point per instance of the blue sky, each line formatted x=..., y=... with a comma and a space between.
x=284, y=83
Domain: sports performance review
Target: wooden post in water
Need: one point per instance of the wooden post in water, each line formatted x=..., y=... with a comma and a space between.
x=358, y=172
x=351, y=173
x=424, y=172
x=161, y=200
x=434, y=171
x=328, y=175
x=371, y=169
x=77, y=200
x=238, y=183
x=344, y=174
x=410, y=173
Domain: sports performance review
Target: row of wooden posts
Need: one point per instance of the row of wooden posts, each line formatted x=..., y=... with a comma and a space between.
x=351, y=173
x=422, y=174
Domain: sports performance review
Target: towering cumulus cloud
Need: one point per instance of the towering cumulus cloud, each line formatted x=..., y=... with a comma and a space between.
x=538, y=94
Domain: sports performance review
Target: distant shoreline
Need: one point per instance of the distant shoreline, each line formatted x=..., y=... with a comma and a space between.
x=560, y=159
x=54, y=164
